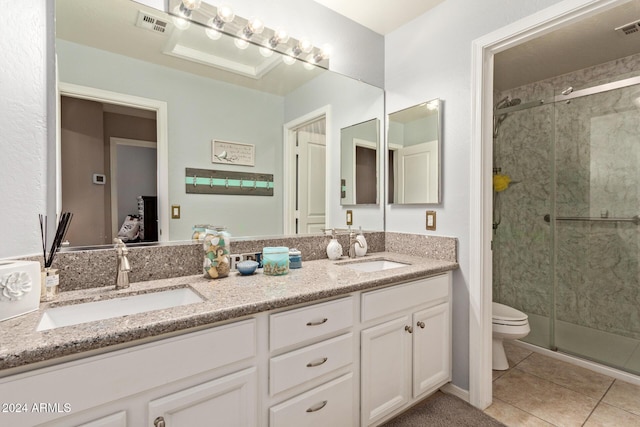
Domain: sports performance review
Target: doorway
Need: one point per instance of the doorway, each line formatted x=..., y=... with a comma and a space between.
x=305, y=174
x=480, y=289
x=111, y=115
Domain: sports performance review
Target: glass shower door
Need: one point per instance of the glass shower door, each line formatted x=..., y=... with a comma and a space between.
x=594, y=218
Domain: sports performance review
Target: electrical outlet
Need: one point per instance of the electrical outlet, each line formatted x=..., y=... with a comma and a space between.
x=431, y=220
x=234, y=259
x=349, y=217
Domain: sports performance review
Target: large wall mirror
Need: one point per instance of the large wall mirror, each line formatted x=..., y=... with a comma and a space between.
x=414, y=142
x=143, y=99
x=359, y=147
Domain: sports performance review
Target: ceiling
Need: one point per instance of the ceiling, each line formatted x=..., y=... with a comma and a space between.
x=381, y=16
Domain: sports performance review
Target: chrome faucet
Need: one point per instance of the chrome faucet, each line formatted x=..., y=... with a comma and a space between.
x=353, y=241
x=123, y=268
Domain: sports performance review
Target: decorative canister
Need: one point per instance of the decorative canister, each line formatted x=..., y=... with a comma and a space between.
x=216, y=247
x=275, y=260
x=295, y=258
x=199, y=231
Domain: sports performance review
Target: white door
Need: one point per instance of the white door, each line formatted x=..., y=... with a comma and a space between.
x=230, y=401
x=385, y=369
x=311, y=182
x=418, y=173
x=431, y=349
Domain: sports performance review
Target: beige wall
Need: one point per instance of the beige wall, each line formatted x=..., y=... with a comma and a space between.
x=82, y=156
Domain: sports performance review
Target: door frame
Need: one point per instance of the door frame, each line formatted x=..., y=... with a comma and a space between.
x=481, y=169
x=289, y=168
x=113, y=166
x=359, y=142
x=162, y=148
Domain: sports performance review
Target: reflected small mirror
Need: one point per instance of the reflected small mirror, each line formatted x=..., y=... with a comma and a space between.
x=359, y=163
x=414, y=144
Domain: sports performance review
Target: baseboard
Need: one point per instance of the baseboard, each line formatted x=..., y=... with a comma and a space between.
x=456, y=391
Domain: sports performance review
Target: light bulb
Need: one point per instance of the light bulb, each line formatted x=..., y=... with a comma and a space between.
x=265, y=49
x=178, y=19
x=288, y=58
x=309, y=63
x=305, y=45
x=255, y=25
x=240, y=41
x=280, y=36
x=225, y=13
x=326, y=50
x=211, y=31
x=192, y=4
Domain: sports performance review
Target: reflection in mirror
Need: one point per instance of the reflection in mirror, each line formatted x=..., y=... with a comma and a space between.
x=184, y=90
x=414, y=144
x=359, y=163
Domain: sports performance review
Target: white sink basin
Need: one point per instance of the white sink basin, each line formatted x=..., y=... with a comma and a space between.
x=75, y=314
x=375, y=265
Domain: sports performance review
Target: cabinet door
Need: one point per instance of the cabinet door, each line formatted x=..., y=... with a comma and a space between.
x=385, y=368
x=431, y=348
x=228, y=401
x=115, y=420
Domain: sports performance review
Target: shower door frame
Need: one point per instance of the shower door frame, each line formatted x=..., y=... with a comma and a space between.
x=481, y=169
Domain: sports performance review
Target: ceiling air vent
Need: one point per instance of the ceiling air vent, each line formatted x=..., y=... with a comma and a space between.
x=630, y=28
x=151, y=23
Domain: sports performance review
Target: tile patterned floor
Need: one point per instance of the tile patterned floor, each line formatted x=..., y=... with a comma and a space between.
x=541, y=391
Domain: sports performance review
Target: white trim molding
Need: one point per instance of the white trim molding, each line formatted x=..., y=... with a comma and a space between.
x=162, y=131
x=480, y=277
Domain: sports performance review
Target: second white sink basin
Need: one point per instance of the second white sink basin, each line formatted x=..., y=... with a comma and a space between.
x=375, y=265
x=75, y=314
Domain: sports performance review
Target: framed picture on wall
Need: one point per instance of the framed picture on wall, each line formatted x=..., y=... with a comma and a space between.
x=233, y=153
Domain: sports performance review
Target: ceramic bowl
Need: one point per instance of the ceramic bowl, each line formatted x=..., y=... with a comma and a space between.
x=247, y=267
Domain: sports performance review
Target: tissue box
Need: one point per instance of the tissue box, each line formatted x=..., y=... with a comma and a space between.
x=19, y=288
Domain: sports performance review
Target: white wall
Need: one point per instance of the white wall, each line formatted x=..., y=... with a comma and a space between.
x=23, y=125
x=430, y=57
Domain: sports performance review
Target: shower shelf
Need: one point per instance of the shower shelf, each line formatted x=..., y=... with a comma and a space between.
x=633, y=219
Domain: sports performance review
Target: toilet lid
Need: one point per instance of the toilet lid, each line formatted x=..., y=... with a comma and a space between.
x=506, y=313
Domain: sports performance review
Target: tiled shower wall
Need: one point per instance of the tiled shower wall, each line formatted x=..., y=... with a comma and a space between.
x=592, y=147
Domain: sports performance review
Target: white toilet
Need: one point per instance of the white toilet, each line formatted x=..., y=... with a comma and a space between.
x=510, y=324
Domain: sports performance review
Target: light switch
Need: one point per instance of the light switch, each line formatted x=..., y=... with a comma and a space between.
x=175, y=211
x=431, y=220
x=349, y=217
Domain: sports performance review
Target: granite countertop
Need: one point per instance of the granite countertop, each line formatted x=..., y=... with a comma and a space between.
x=226, y=299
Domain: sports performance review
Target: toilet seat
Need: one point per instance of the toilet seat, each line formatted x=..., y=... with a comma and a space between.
x=509, y=316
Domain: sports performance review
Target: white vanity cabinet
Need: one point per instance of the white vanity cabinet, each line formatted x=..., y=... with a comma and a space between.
x=178, y=378
x=317, y=347
x=405, y=345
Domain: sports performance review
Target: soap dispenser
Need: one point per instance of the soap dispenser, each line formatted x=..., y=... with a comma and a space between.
x=334, y=248
x=361, y=249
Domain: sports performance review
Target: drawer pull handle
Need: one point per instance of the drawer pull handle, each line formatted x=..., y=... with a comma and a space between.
x=314, y=364
x=421, y=324
x=408, y=329
x=317, y=323
x=317, y=407
x=158, y=422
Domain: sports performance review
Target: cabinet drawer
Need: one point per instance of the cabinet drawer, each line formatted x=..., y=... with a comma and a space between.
x=310, y=362
x=434, y=290
x=330, y=404
x=307, y=323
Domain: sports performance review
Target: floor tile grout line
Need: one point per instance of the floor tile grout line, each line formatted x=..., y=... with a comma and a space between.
x=528, y=413
x=599, y=401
